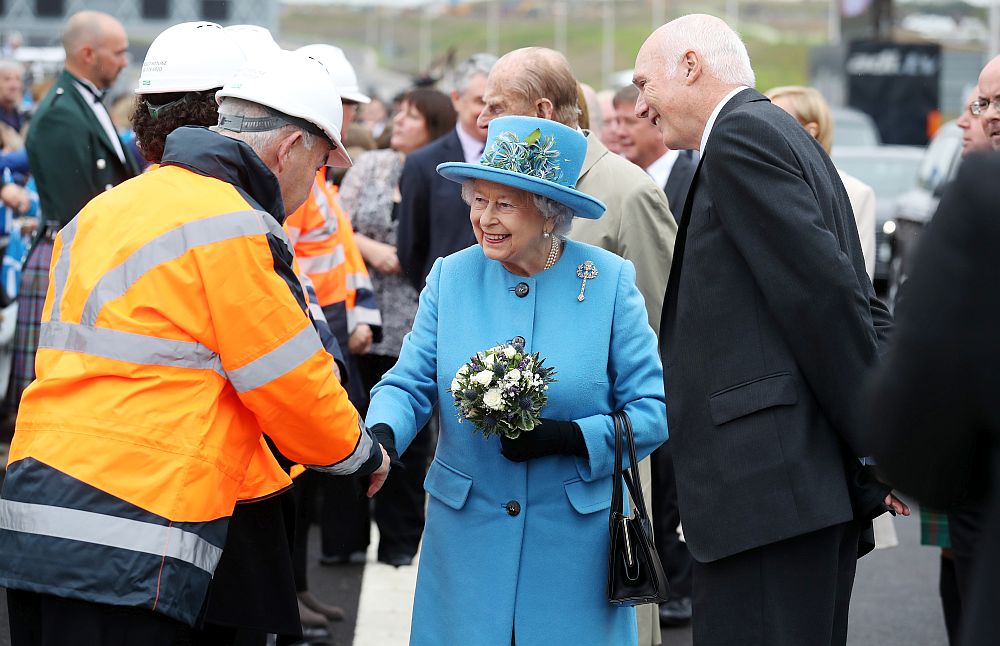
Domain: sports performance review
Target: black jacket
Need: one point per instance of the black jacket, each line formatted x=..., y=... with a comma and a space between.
x=769, y=327
x=678, y=183
x=936, y=410
x=433, y=219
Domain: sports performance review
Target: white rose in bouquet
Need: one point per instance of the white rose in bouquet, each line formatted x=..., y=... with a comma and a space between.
x=493, y=399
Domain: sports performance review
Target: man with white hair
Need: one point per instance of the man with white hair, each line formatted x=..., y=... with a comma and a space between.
x=768, y=279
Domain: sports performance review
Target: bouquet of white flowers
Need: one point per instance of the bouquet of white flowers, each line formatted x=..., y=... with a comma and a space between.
x=502, y=390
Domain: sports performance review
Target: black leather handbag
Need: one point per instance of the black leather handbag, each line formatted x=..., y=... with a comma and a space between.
x=635, y=575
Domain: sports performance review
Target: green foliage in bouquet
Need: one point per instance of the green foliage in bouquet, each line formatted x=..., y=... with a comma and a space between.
x=502, y=390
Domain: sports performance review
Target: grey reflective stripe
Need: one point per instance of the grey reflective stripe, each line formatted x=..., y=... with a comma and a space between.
x=329, y=220
x=316, y=311
x=361, y=314
x=169, y=246
x=112, y=531
x=127, y=346
x=360, y=281
x=324, y=263
x=293, y=234
x=276, y=230
x=355, y=460
x=279, y=361
x=61, y=270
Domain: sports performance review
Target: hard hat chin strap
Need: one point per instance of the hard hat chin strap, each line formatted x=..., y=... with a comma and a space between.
x=275, y=120
x=156, y=111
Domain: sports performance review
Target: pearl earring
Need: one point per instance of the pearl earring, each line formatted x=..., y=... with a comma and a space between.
x=545, y=234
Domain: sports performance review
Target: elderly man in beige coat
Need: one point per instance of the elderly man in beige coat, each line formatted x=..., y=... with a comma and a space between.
x=638, y=224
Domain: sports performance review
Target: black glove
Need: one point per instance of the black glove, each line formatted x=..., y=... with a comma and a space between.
x=387, y=438
x=550, y=437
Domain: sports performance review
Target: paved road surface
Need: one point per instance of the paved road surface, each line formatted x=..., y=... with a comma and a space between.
x=895, y=599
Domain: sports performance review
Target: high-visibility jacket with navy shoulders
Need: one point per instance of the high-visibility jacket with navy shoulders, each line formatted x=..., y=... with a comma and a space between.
x=323, y=238
x=174, y=337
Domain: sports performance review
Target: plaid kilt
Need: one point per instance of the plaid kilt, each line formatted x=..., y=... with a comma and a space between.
x=30, y=299
x=934, y=528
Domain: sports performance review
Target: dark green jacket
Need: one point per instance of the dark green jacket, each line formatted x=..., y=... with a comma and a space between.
x=70, y=154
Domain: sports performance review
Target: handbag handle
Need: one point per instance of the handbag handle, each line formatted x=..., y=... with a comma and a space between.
x=623, y=434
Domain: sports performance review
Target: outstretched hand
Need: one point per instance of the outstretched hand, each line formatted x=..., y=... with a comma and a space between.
x=897, y=505
x=378, y=478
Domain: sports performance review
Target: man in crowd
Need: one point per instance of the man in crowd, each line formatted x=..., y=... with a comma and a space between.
x=974, y=137
x=641, y=144
x=987, y=108
x=11, y=94
x=175, y=337
x=769, y=278
x=433, y=219
x=637, y=225
x=75, y=153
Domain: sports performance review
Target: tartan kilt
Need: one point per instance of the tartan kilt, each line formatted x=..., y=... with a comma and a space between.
x=31, y=299
x=934, y=528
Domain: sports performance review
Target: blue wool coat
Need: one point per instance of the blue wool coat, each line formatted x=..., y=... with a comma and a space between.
x=541, y=573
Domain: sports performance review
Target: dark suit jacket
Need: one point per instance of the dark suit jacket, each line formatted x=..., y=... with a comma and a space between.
x=678, y=183
x=766, y=336
x=70, y=155
x=936, y=412
x=433, y=219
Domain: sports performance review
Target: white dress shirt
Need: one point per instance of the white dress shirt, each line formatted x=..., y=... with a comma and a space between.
x=89, y=92
x=660, y=169
x=715, y=115
x=472, y=148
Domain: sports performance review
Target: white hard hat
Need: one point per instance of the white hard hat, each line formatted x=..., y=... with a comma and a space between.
x=254, y=40
x=340, y=69
x=298, y=89
x=189, y=57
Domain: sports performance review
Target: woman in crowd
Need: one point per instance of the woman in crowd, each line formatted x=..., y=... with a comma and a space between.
x=370, y=193
x=516, y=544
x=810, y=109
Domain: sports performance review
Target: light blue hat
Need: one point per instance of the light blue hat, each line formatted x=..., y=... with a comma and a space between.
x=536, y=155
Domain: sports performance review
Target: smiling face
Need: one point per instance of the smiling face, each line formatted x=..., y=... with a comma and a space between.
x=661, y=92
x=639, y=140
x=509, y=227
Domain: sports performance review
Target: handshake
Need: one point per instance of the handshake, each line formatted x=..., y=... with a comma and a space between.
x=390, y=457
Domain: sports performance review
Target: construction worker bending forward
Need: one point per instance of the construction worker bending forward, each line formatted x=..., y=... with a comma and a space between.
x=175, y=338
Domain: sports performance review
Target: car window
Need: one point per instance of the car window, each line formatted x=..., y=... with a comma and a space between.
x=939, y=160
x=854, y=133
x=889, y=176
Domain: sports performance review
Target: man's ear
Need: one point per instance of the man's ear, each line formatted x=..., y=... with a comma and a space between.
x=692, y=67
x=284, y=149
x=544, y=109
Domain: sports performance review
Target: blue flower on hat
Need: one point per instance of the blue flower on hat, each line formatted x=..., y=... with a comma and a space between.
x=535, y=156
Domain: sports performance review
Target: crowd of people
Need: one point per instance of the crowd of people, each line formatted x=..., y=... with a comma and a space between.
x=242, y=296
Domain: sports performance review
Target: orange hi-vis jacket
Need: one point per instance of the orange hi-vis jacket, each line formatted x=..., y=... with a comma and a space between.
x=323, y=239
x=174, y=337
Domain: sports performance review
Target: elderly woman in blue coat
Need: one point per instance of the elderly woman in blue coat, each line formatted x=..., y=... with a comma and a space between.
x=516, y=542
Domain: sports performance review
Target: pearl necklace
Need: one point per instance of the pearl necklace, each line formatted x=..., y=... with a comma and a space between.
x=553, y=253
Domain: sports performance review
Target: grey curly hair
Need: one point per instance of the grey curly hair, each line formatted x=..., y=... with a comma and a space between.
x=560, y=214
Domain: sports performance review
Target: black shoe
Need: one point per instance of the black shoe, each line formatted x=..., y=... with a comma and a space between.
x=396, y=560
x=676, y=612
